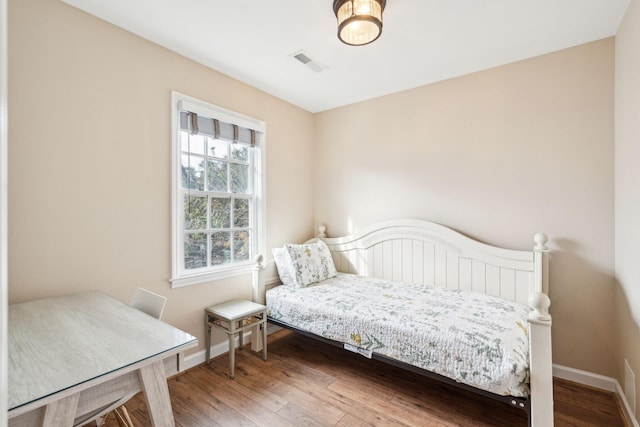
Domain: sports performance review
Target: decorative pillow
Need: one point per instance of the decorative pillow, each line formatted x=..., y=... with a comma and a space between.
x=283, y=264
x=311, y=263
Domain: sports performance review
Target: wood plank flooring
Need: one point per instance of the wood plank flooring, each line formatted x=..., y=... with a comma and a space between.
x=307, y=383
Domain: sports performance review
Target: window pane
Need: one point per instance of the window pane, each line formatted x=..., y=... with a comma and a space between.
x=195, y=213
x=184, y=140
x=220, y=212
x=195, y=250
x=241, y=246
x=195, y=144
x=241, y=213
x=239, y=178
x=240, y=152
x=192, y=172
x=218, y=148
x=220, y=248
x=217, y=176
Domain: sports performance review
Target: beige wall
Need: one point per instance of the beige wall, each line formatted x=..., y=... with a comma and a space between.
x=498, y=155
x=627, y=195
x=89, y=154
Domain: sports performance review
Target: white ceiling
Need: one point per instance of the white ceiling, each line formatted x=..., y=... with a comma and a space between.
x=423, y=41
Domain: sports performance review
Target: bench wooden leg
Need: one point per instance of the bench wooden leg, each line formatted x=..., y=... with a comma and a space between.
x=207, y=338
x=232, y=356
x=264, y=341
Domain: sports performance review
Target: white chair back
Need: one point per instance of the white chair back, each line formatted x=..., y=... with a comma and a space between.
x=152, y=304
x=149, y=302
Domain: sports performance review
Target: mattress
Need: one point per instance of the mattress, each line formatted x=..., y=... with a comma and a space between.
x=472, y=338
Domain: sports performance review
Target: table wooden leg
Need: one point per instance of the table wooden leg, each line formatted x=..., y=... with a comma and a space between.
x=156, y=393
x=61, y=412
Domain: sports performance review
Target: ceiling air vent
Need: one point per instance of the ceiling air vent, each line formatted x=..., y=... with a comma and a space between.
x=310, y=63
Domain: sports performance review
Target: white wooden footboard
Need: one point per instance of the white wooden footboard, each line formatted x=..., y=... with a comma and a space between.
x=426, y=253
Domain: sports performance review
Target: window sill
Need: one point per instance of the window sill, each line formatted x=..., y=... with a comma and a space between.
x=210, y=276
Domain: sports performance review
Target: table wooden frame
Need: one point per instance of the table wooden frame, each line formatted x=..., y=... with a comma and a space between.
x=74, y=404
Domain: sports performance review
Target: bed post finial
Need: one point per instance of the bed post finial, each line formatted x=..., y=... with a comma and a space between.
x=259, y=259
x=541, y=240
x=539, y=304
x=322, y=231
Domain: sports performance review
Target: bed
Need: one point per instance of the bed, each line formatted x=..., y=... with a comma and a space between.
x=426, y=298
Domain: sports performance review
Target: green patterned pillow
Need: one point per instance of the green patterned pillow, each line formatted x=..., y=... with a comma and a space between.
x=311, y=263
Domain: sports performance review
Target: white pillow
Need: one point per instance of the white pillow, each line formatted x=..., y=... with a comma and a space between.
x=283, y=264
x=310, y=263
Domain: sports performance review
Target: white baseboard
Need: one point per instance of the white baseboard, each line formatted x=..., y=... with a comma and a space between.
x=196, y=359
x=598, y=381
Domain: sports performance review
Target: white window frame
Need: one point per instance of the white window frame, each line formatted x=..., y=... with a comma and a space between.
x=179, y=275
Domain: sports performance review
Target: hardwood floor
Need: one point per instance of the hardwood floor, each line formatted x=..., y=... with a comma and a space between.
x=307, y=383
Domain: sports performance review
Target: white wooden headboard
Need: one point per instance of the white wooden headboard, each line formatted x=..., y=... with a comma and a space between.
x=427, y=253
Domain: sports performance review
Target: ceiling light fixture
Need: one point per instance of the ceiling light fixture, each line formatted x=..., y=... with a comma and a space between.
x=359, y=21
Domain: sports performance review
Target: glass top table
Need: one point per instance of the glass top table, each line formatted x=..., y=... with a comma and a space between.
x=64, y=351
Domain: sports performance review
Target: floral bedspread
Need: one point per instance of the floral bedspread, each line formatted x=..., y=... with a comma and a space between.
x=472, y=338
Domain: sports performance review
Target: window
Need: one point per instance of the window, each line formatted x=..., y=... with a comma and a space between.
x=218, y=191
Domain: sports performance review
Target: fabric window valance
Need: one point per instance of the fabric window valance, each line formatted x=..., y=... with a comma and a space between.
x=195, y=124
